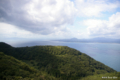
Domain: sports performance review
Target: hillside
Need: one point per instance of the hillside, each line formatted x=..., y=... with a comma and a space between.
x=106, y=76
x=60, y=62
x=14, y=69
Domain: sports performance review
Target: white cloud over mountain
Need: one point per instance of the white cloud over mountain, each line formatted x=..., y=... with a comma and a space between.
x=37, y=16
x=50, y=19
x=8, y=31
x=94, y=8
x=104, y=28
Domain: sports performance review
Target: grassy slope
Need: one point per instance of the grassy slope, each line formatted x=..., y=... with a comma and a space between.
x=61, y=62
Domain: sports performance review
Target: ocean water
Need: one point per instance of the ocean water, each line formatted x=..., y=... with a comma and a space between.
x=107, y=53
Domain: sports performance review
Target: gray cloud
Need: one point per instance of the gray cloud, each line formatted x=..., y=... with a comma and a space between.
x=37, y=17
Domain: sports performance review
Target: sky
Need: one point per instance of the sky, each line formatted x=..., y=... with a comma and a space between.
x=25, y=20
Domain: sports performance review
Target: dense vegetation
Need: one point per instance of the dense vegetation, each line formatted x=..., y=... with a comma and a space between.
x=14, y=69
x=11, y=67
x=50, y=62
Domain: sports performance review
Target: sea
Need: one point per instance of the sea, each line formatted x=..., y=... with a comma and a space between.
x=106, y=53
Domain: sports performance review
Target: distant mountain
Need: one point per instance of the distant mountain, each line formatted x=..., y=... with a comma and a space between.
x=69, y=40
x=93, y=40
x=47, y=63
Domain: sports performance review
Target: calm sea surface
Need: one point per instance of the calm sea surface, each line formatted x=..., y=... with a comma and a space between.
x=109, y=54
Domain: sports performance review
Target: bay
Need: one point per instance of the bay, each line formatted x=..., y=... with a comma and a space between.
x=107, y=53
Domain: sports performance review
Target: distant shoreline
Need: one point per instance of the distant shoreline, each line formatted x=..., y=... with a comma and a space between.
x=90, y=42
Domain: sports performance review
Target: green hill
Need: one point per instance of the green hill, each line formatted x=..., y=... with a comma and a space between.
x=13, y=68
x=58, y=62
x=4, y=45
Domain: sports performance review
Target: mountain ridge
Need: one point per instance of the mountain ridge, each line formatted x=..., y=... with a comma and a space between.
x=61, y=62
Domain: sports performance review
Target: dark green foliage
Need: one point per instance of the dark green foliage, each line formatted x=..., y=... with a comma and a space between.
x=9, y=66
x=58, y=62
x=13, y=69
x=4, y=45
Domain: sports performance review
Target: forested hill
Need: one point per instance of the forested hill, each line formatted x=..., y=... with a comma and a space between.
x=60, y=62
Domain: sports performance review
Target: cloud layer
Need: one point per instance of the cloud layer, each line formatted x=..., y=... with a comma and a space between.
x=8, y=32
x=53, y=18
x=38, y=16
x=103, y=28
x=94, y=8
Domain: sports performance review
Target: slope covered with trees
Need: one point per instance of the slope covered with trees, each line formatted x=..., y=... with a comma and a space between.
x=14, y=69
x=60, y=62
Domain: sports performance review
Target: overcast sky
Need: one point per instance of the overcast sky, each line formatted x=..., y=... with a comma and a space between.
x=58, y=19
